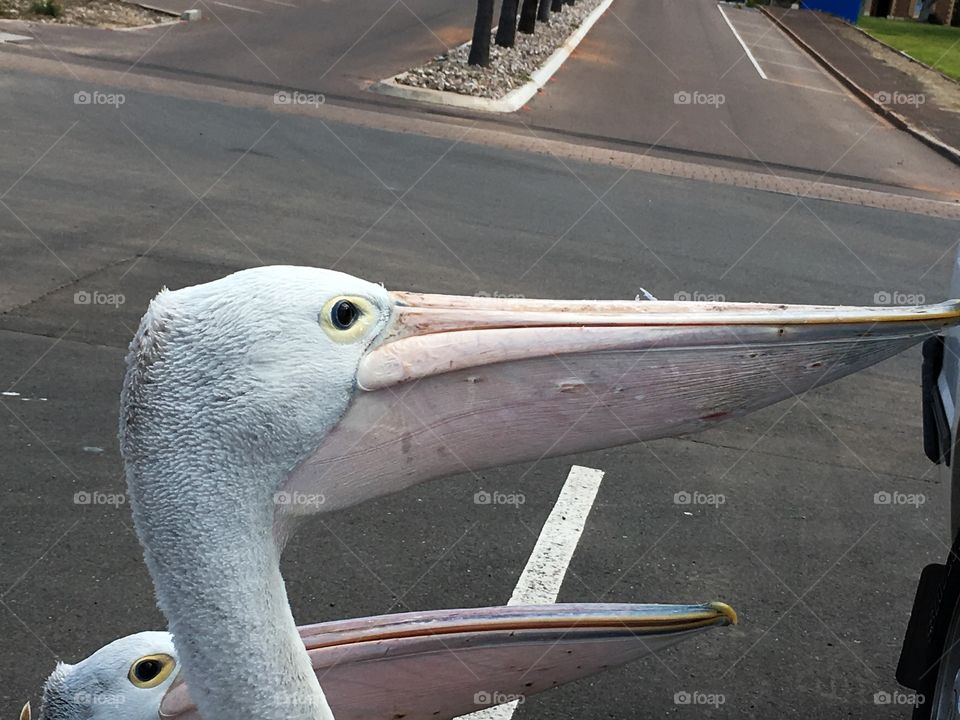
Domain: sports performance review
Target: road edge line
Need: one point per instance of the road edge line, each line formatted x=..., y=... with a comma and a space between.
x=742, y=43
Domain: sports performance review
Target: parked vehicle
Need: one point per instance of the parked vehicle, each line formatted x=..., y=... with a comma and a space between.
x=930, y=659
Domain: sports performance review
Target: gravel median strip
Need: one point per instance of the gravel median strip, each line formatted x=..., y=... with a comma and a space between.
x=509, y=68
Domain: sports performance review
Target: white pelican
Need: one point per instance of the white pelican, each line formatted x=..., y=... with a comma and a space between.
x=279, y=392
x=422, y=666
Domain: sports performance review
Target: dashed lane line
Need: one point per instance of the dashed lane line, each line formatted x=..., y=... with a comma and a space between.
x=795, y=67
x=540, y=581
x=237, y=7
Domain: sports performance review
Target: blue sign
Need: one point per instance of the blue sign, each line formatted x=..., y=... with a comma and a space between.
x=849, y=10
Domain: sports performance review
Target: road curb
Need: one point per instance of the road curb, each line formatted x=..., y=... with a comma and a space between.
x=898, y=120
x=513, y=100
x=154, y=8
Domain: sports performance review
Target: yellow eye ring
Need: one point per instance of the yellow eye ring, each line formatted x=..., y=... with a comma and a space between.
x=346, y=319
x=151, y=670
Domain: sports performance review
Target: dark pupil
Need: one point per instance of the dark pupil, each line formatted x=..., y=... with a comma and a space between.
x=147, y=670
x=344, y=314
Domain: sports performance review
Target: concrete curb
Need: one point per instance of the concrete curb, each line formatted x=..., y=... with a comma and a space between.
x=513, y=100
x=13, y=38
x=898, y=120
x=154, y=8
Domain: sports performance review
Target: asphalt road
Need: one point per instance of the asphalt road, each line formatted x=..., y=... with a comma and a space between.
x=675, y=74
x=619, y=87
x=98, y=199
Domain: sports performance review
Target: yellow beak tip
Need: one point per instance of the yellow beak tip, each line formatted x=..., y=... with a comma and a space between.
x=726, y=611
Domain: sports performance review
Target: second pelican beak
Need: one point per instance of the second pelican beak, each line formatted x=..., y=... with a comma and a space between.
x=441, y=664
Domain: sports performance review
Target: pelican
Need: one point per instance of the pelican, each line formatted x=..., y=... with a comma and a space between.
x=432, y=665
x=276, y=393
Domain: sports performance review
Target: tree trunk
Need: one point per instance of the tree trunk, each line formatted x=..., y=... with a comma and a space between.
x=528, y=17
x=507, y=29
x=480, y=47
x=556, y=6
x=543, y=11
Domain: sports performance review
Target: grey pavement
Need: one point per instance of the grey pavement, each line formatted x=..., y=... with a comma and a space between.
x=928, y=100
x=619, y=87
x=641, y=54
x=103, y=200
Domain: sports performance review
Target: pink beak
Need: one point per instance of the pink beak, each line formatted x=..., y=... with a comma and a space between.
x=462, y=383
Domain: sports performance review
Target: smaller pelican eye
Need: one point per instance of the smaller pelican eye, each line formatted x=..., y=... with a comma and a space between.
x=151, y=670
x=343, y=314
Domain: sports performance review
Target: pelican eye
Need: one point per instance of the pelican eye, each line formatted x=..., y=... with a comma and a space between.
x=151, y=670
x=344, y=314
x=348, y=319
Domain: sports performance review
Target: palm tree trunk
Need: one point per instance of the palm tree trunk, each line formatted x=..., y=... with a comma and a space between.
x=507, y=29
x=480, y=47
x=528, y=17
x=543, y=11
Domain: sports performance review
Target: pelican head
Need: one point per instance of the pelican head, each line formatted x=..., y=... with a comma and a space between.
x=126, y=679
x=378, y=668
x=281, y=392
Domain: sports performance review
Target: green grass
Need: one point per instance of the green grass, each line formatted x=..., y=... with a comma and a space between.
x=935, y=45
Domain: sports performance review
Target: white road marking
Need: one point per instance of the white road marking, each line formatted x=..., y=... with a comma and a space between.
x=165, y=23
x=795, y=67
x=808, y=87
x=6, y=37
x=742, y=43
x=786, y=51
x=540, y=581
x=747, y=30
x=278, y=2
x=237, y=7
